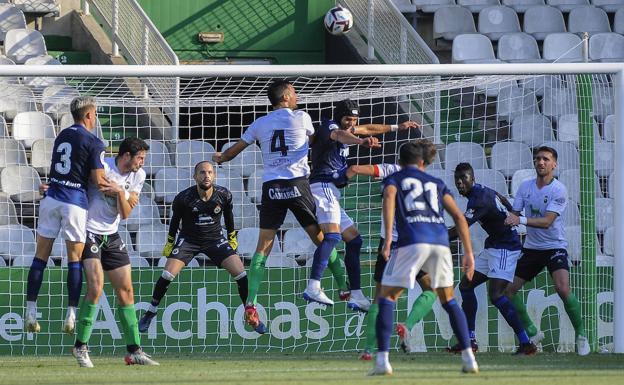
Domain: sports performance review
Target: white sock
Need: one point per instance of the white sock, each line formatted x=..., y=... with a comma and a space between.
x=314, y=285
x=152, y=308
x=357, y=293
x=71, y=310
x=382, y=358
x=467, y=355
x=31, y=307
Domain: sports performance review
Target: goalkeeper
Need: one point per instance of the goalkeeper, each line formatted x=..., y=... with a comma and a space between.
x=200, y=209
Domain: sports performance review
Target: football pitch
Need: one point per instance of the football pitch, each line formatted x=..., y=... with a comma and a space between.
x=325, y=369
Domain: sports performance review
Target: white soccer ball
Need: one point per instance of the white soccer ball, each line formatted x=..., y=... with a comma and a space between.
x=338, y=20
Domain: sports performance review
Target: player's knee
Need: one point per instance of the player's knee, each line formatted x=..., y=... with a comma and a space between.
x=94, y=291
x=356, y=242
x=125, y=295
x=332, y=238
x=167, y=275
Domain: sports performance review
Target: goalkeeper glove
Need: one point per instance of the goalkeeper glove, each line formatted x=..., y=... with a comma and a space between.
x=168, y=246
x=232, y=240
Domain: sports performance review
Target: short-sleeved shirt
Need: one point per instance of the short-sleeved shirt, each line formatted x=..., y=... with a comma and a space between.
x=381, y=171
x=103, y=217
x=329, y=156
x=283, y=138
x=75, y=153
x=419, y=211
x=201, y=220
x=486, y=207
x=536, y=203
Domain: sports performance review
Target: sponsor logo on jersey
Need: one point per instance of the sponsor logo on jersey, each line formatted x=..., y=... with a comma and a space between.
x=217, y=209
x=195, y=209
x=284, y=192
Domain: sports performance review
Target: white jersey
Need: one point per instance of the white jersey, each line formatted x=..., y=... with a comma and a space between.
x=381, y=171
x=536, y=202
x=103, y=217
x=283, y=138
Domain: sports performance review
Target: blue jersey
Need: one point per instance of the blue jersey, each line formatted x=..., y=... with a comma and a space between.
x=75, y=153
x=490, y=210
x=419, y=214
x=329, y=157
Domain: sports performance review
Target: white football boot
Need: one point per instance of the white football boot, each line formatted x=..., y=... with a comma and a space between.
x=82, y=356
x=358, y=302
x=317, y=296
x=70, y=321
x=30, y=321
x=582, y=346
x=139, y=358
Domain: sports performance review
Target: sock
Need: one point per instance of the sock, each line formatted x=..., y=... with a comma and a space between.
x=35, y=277
x=335, y=266
x=458, y=323
x=86, y=318
x=321, y=255
x=383, y=326
x=469, y=306
x=523, y=315
x=352, y=261
x=573, y=308
x=130, y=326
x=160, y=288
x=371, y=320
x=74, y=282
x=255, y=276
x=421, y=307
x=243, y=286
x=506, y=308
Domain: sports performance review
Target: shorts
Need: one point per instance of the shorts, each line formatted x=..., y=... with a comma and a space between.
x=281, y=195
x=532, y=261
x=217, y=251
x=328, y=210
x=405, y=263
x=497, y=263
x=380, y=264
x=109, y=249
x=69, y=219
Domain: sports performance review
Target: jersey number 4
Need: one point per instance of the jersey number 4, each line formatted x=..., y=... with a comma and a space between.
x=64, y=165
x=278, y=142
x=415, y=200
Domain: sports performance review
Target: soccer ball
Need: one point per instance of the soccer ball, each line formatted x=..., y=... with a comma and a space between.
x=338, y=20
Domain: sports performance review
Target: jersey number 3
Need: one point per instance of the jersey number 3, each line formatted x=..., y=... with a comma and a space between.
x=414, y=200
x=278, y=142
x=64, y=165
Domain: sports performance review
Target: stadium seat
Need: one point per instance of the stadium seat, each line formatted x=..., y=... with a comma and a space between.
x=56, y=99
x=254, y=187
x=604, y=214
x=520, y=6
x=147, y=194
x=459, y=152
x=10, y=18
x=603, y=101
x=609, y=6
x=563, y=48
x=246, y=215
x=430, y=6
x=162, y=261
x=538, y=84
x=476, y=6
x=8, y=215
x=520, y=176
x=38, y=83
x=473, y=48
x=12, y=153
x=609, y=241
x=7, y=79
x=228, y=178
x=16, y=98
x=608, y=128
x=568, y=157
x=126, y=238
x=513, y=102
x=67, y=120
x=518, y=47
x=618, y=21
x=21, y=183
x=248, y=239
x=531, y=129
x=190, y=152
x=157, y=157
x=568, y=129
x=567, y=5
x=448, y=22
x=41, y=155
x=611, y=186
x=247, y=161
x=573, y=236
x=4, y=132
x=17, y=241
x=571, y=178
x=21, y=44
x=30, y=126
x=588, y=19
x=447, y=176
x=405, y=6
x=138, y=261
x=43, y=7
x=492, y=179
x=604, y=158
x=2, y=262
x=492, y=87
x=150, y=240
x=606, y=47
x=142, y=214
x=280, y=261
x=508, y=157
x=169, y=181
x=496, y=21
x=558, y=101
x=572, y=215
x=298, y=245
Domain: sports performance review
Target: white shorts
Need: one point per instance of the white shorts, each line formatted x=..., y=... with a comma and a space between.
x=328, y=210
x=497, y=263
x=55, y=216
x=405, y=263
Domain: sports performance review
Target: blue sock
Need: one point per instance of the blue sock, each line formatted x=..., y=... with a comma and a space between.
x=352, y=261
x=74, y=282
x=383, y=326
x=469, y=306
x=507, y=310
x=35, y=277
x=458, y=323
x=321, y=255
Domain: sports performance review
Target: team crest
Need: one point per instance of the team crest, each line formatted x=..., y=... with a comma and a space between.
x=217, y=210
x=175, y=251
x=94, y=249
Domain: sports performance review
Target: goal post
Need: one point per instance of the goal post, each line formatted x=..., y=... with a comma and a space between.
x=490, y=115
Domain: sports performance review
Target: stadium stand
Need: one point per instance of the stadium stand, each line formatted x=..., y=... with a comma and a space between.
x=476, y=6
x=448, y=22
x=588, y=19
x=10, y=18
x=518, y=47
x=521, y=6
x=473, y=48
x=541, y=20
x=31, y=126
x=22, y=44
x=496, y=21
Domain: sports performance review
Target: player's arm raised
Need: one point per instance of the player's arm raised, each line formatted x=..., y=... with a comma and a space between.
x=464, y=235
x=377, y=129
x=230, y=153
x=345, y=137
x=389, y=206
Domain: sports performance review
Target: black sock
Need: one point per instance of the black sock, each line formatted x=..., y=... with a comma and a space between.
x=159, y=290
x=243, y=288
x=132, y=348
x=78, y=344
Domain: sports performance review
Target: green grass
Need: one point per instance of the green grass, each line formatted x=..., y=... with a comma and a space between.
x=322, y=369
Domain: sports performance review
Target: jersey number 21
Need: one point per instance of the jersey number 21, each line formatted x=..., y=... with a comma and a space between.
x=414, y=200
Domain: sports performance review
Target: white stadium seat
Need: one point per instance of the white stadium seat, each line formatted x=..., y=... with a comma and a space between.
x=618, y=21
x=609, y=241
x=12, y=153
x=21, y=44
x=606, y=47
x=56, y=100
x=473, y=48
x=513, y=102
x=604, y=214
x=568, y=129
x=157, y=157
x=190, y=152
x=603, y=101
x=247, y=161
x=531, y=129
x=496, y=21
x=67, y=120
x=142, y=214
x=4, y=132
x=38, y=83
x=572, y=215
x=169, y=181
x=16, y=98
x=248, y=239
x=16, y=241
x=604, y=158
x=21, y=183
x=7, y=79
x=588, y=19
x=567, y=5
x=571, y=178
x=476, y=6
x=448, y=22
x=280, y=261
x=558, y=101
x=611, y=186
x=8, y=215
x=228, y=178
x=44, y=7
x=518, y=47
x=30, y=126
x=405, y=6
x=297, y=244
x=608, y=128
x=538, y=84
x=41, y=155
x=254, y=187
x=520, y=176
x=10, y=18
x=563, y=48
x=246, y=215
x=150, y=240
x=573, y=236
x=492, y=179
x=520, y=6
x=508, y=157
x=430, y=6
x=459, y=152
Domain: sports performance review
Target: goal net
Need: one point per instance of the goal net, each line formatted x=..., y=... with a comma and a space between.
x=492, y=121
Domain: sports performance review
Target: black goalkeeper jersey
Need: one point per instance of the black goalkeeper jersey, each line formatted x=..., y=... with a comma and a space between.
x=201, y=220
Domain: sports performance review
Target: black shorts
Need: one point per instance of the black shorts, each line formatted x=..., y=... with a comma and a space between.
x=380, y=264
x=531, y=262
x=217, y=251
x=281, y=195
x=109, y=249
